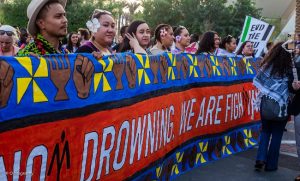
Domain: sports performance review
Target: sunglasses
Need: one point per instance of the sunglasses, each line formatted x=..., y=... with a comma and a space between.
x=8, y=33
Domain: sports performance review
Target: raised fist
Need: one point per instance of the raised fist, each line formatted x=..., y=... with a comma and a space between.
x=185, y=66
x=163, y=68
x=82, y=75
x=178, y=64
x=154, y=65
x=118, y=69
x=241, y=66
x=208, y=67
x=225, y=67
x=201, y=62
x=130, y=71
x=256, y=64
x=6, y=82
x=60, y=76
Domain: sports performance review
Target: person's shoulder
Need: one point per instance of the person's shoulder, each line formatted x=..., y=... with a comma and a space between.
x=84, y=49
x=156, y=51
x=116, y=47
x=29, y=48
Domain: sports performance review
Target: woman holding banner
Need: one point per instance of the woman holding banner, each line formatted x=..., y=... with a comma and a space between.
x=209, y=43
x=246, y=50
x=182, y=39
x=164, y=37
x=102, y=26
x=137, y=38
x=227, y=47
x=272, y=83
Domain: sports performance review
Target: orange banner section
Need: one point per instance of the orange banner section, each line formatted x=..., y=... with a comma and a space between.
x=117, y=143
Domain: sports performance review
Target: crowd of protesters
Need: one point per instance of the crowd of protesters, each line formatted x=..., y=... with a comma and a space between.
x=48, y=24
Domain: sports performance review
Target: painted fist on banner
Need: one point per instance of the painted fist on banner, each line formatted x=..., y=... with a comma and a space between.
x=163, y=68
x=154, y=65
x=225, y=67
x=201, y=63
x=208, y=67
x=118, y=69
x=60, y=76
x=185, y=66
x=6, y=82
x=82, y=75
x=130, y=71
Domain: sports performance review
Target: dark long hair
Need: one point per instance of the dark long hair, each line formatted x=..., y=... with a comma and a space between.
x=279, y=59
x=227, y=39
x=132, y=28
x=178, y=30
x=70, y=44
x=23, y=36
x=207, y=42
x=157, y=31
x=240, y=50
x=85, y=34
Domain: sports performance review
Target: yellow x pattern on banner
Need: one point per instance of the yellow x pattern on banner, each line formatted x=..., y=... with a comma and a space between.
x=179, y=157
x=248, y=138
x=203, y=148
x=24, y=82
x=142, y=72
x=248, y=66
x=107, y=67
x=233, y=67
x=171, y=72
x=215, y=65
x=193, y=71
x=158, y=171
x=225, y=149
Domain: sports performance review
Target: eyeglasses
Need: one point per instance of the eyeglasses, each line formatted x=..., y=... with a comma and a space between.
x=8, y=33
x=6, y=43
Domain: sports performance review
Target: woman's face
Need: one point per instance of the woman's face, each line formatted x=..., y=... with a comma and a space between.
x=106, y=33
x=29, y=37
x=231, y=46
x=6, y=43
x=185, y=38
x=216, y=41
x=248, y=49
x=143, y=35
x=297, y=51
x=74, y=39
x=168, y=40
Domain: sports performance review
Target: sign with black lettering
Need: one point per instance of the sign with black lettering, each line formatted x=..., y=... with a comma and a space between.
x=258, y=32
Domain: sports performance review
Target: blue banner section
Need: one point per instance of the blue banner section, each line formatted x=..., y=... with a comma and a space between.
x=32, y=86
x=199, y=152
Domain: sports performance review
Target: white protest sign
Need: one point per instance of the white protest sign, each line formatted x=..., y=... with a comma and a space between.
x=258, y=32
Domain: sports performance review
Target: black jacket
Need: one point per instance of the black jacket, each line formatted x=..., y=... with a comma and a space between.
x=294, y=107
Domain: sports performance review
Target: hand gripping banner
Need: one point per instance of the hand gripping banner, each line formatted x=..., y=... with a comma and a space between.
x=125, y=116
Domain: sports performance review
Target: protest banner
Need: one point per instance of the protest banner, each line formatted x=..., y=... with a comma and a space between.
x=258, y=32
x=125, y=116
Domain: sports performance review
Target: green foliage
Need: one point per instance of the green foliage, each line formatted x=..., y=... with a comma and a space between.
x=200, y=15
x=78, y=12
x=197, y=15
x=14, y=13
